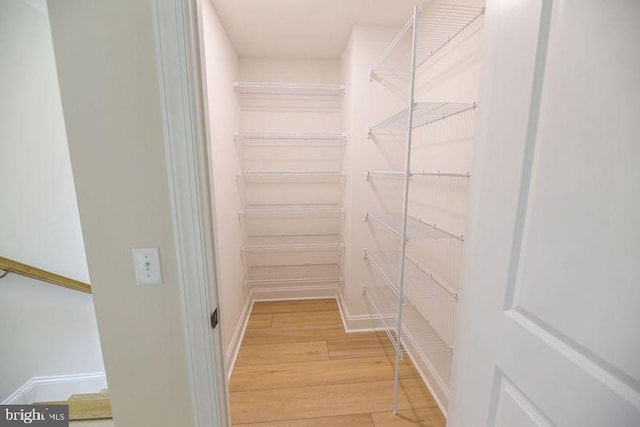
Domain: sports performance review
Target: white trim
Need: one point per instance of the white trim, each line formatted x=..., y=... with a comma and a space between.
x=238, y=335
x=179, y=75
x=438, y=390
x=56, y=387
x=359, y=322
x=351, y=323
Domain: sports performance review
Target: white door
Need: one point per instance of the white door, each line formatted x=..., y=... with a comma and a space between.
x=549, y=320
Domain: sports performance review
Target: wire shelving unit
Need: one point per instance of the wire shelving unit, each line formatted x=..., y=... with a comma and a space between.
x=420, y=290
x=291, y=185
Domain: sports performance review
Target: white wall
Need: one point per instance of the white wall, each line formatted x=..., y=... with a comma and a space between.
x=105, y=55
x=324, y=71
x=366, y=103
x=45, y=330
x=221, y=64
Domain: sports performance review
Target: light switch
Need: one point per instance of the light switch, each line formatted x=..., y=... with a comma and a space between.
x=147, y=266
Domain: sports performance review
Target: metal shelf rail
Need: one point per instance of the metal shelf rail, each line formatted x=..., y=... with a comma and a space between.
x=301, y=89
x=416, y=227
x=423, y=113
x=440, y=27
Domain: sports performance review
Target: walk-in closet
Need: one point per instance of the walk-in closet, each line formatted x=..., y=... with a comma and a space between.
x=347, y=178
x=357, y=213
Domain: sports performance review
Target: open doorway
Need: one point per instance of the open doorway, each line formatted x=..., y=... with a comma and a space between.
x=333, y=142
x=49, y=343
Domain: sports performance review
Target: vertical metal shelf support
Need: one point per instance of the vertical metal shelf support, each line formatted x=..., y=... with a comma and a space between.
x=405, y=210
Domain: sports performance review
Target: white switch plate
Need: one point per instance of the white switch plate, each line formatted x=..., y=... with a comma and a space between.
x=146, y=262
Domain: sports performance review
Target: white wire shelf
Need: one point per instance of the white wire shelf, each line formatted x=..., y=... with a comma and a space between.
x=386, y=311
x=416, y=228
x=419, y=273
x=388, y=61
x=266, y=137
x=294, y=209
x=414, y=327
x=385, y=174
x=278, y=226
x=387, y=268
x=401, y=175
x=278, y=151
x=300, y=89
x=416, y=274
x=281, y=274
x=317, y=241
x=267, y=189
x=429, y=329
x=441, y=174
x=438, y=26
x=254, y=177
x=424, y=113
x=428, y=295
x=424, y=346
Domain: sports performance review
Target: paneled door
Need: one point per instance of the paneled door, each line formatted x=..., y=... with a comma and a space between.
x=549, y=320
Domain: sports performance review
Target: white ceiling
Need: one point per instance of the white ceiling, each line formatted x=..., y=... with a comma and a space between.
x=306, y=29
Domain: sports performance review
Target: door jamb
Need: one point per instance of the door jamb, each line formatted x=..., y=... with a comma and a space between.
x=178, y=55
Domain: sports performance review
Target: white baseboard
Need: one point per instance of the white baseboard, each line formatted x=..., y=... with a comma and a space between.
x=56, y=387
x=236, y=340
x=366, y=323
x=356, y=323
x=351, y=323
x=436, y=387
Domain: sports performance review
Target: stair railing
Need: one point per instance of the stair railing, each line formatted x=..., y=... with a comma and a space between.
x=10, y=266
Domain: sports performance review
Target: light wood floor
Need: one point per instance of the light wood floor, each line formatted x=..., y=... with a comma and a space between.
x=297, y=367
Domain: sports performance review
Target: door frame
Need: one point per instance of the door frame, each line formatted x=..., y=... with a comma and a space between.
x=179, y=64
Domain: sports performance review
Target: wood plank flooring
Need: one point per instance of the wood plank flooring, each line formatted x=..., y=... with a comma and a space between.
x=298, y=368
